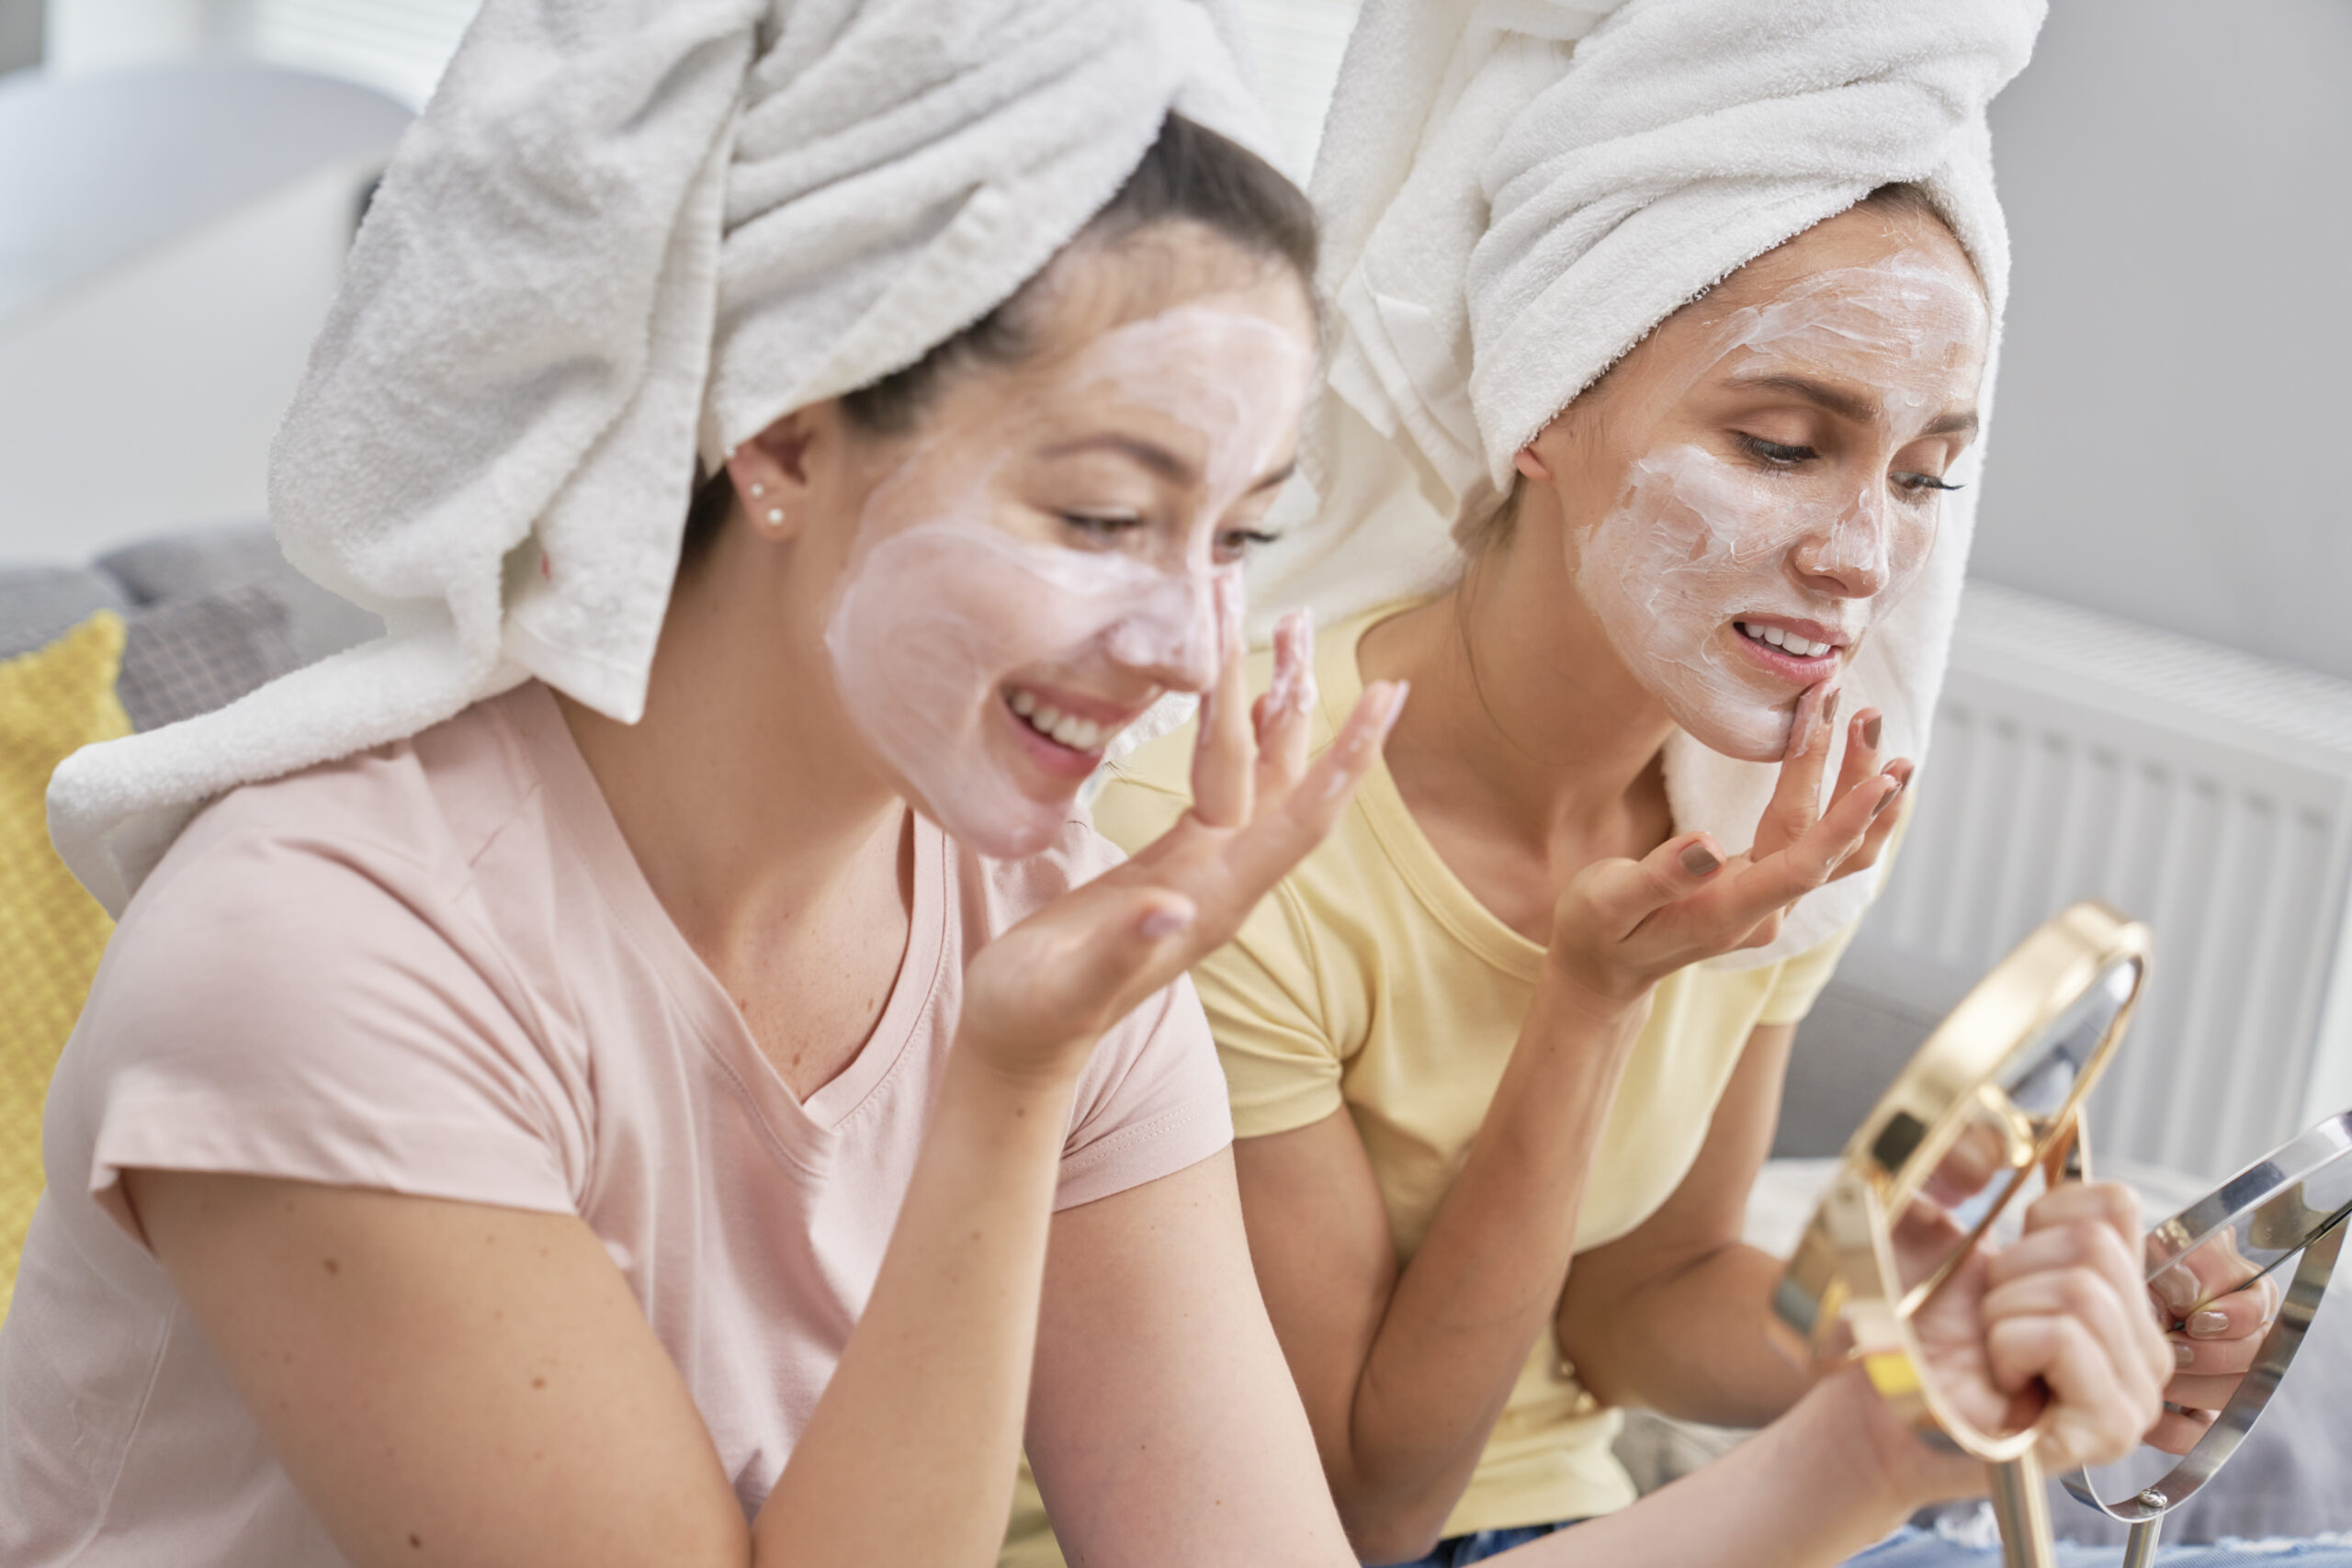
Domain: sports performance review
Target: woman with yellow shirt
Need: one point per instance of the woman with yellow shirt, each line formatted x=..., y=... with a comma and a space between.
x=1506, y=1052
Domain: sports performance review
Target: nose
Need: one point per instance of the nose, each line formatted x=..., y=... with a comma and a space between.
x=1847, y=554
x=1177, y=633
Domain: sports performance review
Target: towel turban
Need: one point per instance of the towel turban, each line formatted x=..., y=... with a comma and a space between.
x=622, y=234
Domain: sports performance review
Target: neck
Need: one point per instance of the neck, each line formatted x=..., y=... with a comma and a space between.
x=739, y=836
x=1522, y=710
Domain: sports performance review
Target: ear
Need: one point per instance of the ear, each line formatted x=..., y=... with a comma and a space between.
x=1528, y=464
x=771, y=473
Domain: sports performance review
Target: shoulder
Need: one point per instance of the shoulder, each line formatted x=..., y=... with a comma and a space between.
x=308, y=879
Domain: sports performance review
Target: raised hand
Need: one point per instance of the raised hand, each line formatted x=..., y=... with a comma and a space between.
x=2215, y=1305
x=1036, y=998
x=1623, y=925
x=2053, y=1324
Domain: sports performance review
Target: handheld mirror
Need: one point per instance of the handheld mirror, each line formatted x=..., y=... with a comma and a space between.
x=2261, y=1246
x=1989, y=1103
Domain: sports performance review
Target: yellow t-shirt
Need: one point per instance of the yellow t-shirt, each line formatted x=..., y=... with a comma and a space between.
x=1372, y=979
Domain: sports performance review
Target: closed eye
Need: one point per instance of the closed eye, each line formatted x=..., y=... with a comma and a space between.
x=1774, y=454
x=1102, y=527
x=1916, y=484
x=1235, y=543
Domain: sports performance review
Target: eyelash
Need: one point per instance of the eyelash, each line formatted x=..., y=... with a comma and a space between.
x=1097, y=525
x=1782, y=457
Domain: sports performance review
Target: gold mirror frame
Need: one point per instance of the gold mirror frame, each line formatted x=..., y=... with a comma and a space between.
x=1842, y=1298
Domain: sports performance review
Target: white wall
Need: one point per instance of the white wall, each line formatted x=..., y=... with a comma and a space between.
x=146, y=401
x=2173, y=438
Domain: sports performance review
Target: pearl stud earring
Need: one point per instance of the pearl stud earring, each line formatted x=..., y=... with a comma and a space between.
x=759, y=489
x=775, y=517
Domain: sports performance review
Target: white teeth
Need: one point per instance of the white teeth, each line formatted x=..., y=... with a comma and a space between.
x=1802, y=648
x=1067, y=728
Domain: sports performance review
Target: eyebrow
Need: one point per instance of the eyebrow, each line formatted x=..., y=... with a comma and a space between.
x=1849, y=405
x=1158, y=459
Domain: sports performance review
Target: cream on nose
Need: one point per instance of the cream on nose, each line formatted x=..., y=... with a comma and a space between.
x=1852, y=549
x=1172, y=632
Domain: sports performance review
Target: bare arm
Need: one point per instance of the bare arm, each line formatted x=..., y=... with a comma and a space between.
x=1404, y=1369
x=455, y=1384
x=481, y=1379
x=1162, y=1422
x=1405, y=1366
x=1671, y=1316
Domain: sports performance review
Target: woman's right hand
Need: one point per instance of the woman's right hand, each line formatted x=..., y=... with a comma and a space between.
x=2053, y=1327
x=1623, y=925
x=1037, y=998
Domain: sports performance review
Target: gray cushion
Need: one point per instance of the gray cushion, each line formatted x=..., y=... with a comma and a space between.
x=194, y=655
x=41, y=602
x=315, y=623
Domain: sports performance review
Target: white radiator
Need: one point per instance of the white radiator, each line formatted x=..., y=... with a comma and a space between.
x=2204, y=791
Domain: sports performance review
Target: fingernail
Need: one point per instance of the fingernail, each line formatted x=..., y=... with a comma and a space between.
x=1164, y=922
x=2208, y=1324
x=1395, y=706
x=1698, y=861
x=2183, y=1354
x=1888, y=798
x=1829, y=706
x=2178, y=1291
x=1873, y=727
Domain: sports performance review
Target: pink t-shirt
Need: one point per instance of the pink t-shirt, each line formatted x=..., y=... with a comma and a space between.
x=436, y=968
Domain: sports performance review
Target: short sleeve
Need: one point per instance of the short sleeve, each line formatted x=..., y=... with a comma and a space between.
x=315, y=1012
x=1150, y=1101
x=1281, y=1065
x=1799, y=984
x=1802, y=978
x=1260, y=990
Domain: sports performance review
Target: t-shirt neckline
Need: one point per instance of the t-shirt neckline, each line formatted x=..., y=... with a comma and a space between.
x=1400, y=837
x=577, y=803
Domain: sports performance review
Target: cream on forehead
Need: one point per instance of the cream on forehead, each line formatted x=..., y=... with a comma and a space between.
x=941, y=604
x=1908, y=318
x=1697, y=540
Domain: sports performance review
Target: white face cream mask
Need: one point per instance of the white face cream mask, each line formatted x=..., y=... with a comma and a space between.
x=1707, y=566
x=974, y=660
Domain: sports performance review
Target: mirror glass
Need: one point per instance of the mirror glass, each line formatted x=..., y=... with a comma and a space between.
x=2005, y=1127
x=2247, y=1271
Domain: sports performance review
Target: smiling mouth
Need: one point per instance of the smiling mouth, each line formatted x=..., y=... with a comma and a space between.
x=1787, y=642
x=1067, y=730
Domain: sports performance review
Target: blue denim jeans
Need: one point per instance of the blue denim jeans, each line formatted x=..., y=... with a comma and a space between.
x=1914, y=1548
x=1460, y=1551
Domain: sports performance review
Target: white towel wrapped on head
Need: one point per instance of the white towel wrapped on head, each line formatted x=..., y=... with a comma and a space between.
x=623, y=232
x=1516, y=192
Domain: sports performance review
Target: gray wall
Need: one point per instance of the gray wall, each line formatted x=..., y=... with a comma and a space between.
x=2173, y=438
x=20, y=33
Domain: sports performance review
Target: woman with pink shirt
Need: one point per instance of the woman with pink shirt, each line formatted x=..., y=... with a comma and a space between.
x=649, y=1062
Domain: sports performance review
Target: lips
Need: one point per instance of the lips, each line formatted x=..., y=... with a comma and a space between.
x=1794, y=655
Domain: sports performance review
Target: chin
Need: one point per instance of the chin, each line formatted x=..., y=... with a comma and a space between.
x=1747, y=733
x=1010, y=827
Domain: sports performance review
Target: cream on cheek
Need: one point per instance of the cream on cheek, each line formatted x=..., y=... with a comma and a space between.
x=1699, y=541
x=941, y=606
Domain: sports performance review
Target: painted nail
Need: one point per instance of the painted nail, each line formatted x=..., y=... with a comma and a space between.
x=2208, y=1324
x=1872, y=729
x=1698, y=861
x=2183, y=1354
x=1164, y=922
x=1829, y=706
x=2177, y=1288
x=1889, y=798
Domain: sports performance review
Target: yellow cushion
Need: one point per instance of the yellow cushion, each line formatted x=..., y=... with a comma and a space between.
x=52, y=702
